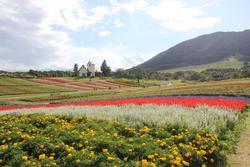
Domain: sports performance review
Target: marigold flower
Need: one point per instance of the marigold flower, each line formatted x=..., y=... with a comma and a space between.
x=185, y=163
x=110, y=158
x=42, y=157
x=105, y=150
x=163, y=159
x=25, y=158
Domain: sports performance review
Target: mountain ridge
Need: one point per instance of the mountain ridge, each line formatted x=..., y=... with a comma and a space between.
x=204, y=49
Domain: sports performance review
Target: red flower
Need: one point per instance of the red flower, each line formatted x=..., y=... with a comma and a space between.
x=187, y=102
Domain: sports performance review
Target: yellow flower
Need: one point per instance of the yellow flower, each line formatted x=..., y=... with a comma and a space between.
x=144, y=130
x=105, y=150
x=110, y=158
x=188, y=154
x=115, y=134
x=144, y=163
x=163, y=159
x=185, y=163
x=162, y=144
x=137, y=164
x=78, y=161
x=4, y=147
x=171, y=156
x=143, y=144
x=51, y=158
x=25, y=158
x=83, y=151
x=91, y=154
x=150, y=156
x=130, y=140
x=69, y=155
x=152, y=164
x=42, y=157
x=202, y=152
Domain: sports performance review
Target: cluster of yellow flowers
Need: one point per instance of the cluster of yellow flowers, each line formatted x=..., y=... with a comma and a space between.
x=53, y=140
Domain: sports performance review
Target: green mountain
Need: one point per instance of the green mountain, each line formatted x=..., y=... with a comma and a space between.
x=202, y=50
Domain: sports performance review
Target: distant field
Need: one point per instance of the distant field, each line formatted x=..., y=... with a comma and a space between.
x=16, y=86
x=228, y=63
x=240, y=87
x=93, y=84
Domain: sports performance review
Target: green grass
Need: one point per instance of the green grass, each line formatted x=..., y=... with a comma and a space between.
x=241, y=156
x=228, y=63
x=63, y=96
x=15, y=86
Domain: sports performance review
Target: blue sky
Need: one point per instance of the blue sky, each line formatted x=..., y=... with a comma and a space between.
x=55, y=34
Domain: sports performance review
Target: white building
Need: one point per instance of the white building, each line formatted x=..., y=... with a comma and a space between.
x=83, y=72
x=91, y=69
x=88, y=71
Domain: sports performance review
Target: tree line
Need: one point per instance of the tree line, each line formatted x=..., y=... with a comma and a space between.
x=138, y=74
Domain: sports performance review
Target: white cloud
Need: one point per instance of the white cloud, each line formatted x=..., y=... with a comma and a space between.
x=173, y=15
x=33, y=32
x=28, y=39
x=71, y=14
x=130, y=6
x=118, y=23
x=176, y=15
x=103, y=33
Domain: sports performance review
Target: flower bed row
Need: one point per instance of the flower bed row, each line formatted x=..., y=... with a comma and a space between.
x=59, y=80
x=47, y=140
x=187, y=102
x=203, y=117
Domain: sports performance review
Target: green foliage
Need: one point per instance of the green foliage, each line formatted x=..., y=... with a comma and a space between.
x=64, y=141
x=106, y=70
x=16, y=86
x=76, y=69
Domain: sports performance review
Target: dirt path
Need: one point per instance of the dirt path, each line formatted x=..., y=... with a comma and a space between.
x=242, y=156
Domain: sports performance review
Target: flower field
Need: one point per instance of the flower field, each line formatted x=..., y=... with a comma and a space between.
x=124, y=132
x=80, y=85
x=188, y=102
x=17, y=86
x=203, y=117
x=40, y=140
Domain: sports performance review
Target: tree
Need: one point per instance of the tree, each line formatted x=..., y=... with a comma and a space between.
x=76, y=69
x=106, y=70
x=245, y=70
x=136, y=73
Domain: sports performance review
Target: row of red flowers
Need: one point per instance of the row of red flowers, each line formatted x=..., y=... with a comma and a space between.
x=59, y=80
x=187, y=102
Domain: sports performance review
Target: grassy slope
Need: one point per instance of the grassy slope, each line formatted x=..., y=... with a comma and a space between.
x=15, y=86
x=229, y=63
x=242, y=156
